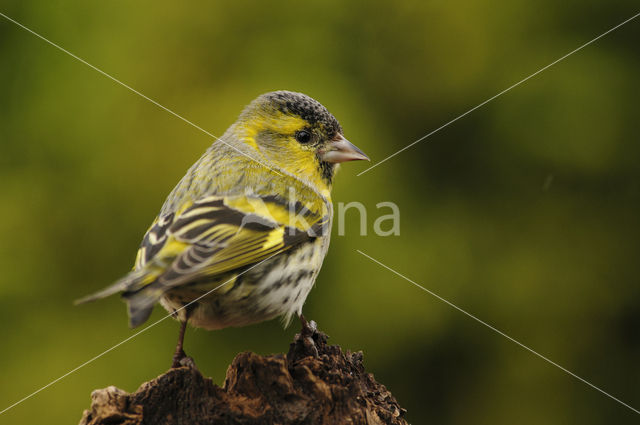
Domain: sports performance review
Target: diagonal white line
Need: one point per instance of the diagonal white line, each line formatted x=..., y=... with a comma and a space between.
x=131, y=337
x=499, y=332
x=499, y=94
x=136, y=92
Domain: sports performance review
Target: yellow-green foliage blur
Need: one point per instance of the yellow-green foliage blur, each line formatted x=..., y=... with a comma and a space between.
x=524, y=212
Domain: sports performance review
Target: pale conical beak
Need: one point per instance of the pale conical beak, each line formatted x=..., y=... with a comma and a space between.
x=341, y=150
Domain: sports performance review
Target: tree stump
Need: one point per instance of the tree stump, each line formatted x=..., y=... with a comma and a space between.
x=314, y=383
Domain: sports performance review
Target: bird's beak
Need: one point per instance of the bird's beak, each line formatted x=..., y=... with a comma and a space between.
x=341, y=150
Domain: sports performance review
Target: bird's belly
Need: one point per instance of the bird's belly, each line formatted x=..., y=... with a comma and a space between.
x=277, y=287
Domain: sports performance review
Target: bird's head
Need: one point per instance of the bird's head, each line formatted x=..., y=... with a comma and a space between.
x=295, y=133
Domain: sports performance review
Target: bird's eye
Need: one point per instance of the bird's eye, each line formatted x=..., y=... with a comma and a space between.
x=303, y=136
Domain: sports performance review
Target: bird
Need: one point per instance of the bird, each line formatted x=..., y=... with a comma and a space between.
x=243, y=235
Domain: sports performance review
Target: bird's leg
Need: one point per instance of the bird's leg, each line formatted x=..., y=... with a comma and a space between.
x=179, y=353
x=179, y=357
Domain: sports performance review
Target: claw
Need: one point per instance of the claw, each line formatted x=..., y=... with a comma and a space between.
x=187, y=361
x=308, y=331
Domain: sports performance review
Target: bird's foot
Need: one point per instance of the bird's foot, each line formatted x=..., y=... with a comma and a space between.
x=180, y=359
x=307, y=332
x=188, y=361
x=309, y=342
x=308, y=328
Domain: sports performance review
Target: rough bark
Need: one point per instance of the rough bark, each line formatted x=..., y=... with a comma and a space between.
x=314, y=383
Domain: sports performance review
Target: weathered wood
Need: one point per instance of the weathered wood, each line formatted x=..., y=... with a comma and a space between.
x=314, y=383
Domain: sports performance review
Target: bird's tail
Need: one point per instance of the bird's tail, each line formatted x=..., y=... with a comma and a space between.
x=138, y=290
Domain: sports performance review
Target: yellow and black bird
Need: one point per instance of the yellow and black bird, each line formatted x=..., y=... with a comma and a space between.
x=242, y=237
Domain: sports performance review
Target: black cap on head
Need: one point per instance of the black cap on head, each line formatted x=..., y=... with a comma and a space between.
x=305, y=107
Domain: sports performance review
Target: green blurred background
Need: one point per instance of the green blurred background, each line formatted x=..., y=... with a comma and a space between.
x=525, y=212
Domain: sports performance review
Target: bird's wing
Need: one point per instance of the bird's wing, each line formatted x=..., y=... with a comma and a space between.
x=217, y=234
x=208, y=237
